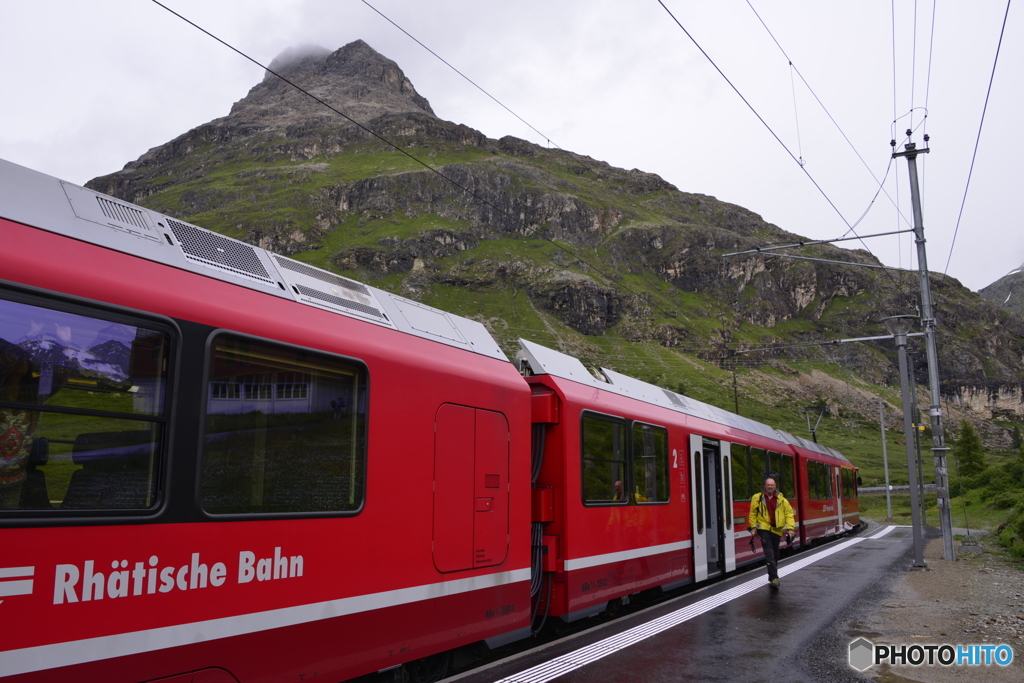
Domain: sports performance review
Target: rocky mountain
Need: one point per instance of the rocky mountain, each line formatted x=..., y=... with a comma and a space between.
x=1007, y=292
x=616, y=266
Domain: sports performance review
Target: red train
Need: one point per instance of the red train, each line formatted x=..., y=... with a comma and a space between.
x=223, y=465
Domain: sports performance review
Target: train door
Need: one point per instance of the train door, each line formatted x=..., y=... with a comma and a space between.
x=471, y=506
x=725, y=500
x=707, y=507
x=837, y=498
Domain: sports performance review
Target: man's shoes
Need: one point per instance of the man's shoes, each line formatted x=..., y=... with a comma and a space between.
x=774, y=584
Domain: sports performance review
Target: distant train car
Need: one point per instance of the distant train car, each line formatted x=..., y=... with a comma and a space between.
x=223, y=465
x=638, y=487
x=827, y=484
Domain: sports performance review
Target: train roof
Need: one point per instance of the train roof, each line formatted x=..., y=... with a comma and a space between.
x=814, y=446
x=545, y=361
x=48, y=203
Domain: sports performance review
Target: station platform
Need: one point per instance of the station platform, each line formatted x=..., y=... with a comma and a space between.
x=737, y=629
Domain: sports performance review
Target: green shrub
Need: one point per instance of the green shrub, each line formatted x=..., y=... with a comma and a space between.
x=1006, y=500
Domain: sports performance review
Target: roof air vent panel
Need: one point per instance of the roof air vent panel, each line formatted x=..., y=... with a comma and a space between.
x=323, y=289
x=97, y=208
x=322, y=275
x=217, y=251
x=338, y=301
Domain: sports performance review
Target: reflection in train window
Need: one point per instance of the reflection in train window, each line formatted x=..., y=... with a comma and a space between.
x=604, y=461
x=285, y=430
x=81, y=409
x=758, y=468
x=740, y=472
x=650, y=463
x=785, y=483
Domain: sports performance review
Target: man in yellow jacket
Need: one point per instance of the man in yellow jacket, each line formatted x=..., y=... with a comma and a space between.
x=771, y=516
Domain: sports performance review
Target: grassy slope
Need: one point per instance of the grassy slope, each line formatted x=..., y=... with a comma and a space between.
x=248, y=191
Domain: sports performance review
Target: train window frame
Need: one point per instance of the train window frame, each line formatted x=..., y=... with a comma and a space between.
x=757, y=476
x=166, y=419
x=666, y=479
x=201, y=458
x=740, y=463
x=627, y=476
x=787, y=476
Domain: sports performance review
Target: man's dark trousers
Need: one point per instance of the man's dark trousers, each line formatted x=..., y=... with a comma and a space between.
x=770, y=545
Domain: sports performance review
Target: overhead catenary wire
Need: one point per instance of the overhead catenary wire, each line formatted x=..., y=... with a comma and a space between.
x=892, y=12
x=755, y=113
x=851, y=228
x=913, y=66
x=401, y=150
x=977, y=141
x=453, y=68
x=794, y=68
x=410, y=155
x=928, y=78
x=550, y=143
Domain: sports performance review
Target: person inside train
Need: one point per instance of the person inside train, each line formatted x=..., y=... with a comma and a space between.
x=771, y=518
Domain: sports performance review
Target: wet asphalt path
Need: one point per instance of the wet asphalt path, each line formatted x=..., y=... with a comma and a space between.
x=734, y=630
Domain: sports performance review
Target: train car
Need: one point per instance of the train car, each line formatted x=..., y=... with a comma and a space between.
x=827, y=482
x=220, y=464
x=224, y=465
x=639, y=487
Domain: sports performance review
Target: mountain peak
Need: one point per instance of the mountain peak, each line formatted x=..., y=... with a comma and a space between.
x=354, y=79
x=297, y=59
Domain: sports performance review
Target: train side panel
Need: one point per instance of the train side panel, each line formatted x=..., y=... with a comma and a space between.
x=133, y=597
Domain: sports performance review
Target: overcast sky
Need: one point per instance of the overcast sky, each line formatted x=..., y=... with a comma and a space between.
x=90, y=86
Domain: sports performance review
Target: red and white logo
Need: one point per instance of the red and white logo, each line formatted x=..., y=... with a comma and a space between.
x=14, y=581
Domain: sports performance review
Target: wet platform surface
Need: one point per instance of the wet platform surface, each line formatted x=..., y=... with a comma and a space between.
x=735, y=630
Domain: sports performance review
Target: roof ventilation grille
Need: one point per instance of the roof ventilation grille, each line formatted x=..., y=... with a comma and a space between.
x=211, y=249
x=322, y=275
x=125, y=214
x=338, y=301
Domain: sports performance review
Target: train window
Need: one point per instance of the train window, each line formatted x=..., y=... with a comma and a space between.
x=821, y=484
x=82, y=408
x=605, y=477
x=817, y=486
x=285, y=430
x=650, y=463
x=740, y=472
x=758, y=468
x=785, y=482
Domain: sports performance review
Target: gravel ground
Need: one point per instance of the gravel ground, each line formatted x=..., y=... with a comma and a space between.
x=979, y=599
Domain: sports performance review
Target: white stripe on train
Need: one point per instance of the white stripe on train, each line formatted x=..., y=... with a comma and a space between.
x=93, y=649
